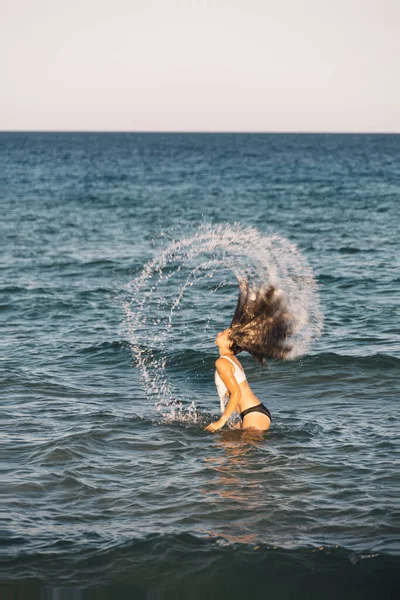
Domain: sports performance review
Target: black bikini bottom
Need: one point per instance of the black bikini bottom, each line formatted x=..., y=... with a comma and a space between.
x=257, y=408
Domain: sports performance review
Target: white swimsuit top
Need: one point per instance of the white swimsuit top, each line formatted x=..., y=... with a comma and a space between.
x=221, y=387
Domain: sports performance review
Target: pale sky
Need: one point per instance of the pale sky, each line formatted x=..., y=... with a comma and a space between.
x=200, y=65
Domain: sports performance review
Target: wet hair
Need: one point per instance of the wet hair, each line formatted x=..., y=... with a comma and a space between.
x=261, y=324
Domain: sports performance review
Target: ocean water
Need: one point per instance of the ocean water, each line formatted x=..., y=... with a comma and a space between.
x=112, y=487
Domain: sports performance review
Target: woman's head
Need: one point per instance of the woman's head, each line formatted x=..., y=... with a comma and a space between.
x=223, y=340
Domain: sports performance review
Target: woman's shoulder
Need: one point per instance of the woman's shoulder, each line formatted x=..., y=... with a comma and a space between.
x=223, y=364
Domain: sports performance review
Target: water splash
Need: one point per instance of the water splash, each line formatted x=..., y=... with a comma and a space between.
x=163, y=312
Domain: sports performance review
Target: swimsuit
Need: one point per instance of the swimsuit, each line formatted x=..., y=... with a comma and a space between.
x=221, y=387
x=240, y=376
x=257, y=408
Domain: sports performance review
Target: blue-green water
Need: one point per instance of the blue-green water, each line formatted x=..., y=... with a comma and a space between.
x=106, y=495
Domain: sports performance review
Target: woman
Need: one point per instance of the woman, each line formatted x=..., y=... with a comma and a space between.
x=260, y=326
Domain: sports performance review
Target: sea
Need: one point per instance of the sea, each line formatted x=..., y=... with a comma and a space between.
x=120, y=260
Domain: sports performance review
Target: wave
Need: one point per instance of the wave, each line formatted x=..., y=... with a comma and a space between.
x=105, y=348
x=202, y=361
x=355, y=250
x=377, y=361
x=189, y=566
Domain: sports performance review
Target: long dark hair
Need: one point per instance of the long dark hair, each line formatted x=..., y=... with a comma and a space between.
x=261, y=324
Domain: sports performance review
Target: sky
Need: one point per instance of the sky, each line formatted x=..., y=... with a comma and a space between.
x=200, y=65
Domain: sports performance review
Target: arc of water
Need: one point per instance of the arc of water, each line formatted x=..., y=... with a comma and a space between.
x=243, y=251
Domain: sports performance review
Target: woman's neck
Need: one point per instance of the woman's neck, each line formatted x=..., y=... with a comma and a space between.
x=225, y=353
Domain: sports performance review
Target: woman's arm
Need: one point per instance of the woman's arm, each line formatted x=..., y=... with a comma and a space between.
x=226, y=372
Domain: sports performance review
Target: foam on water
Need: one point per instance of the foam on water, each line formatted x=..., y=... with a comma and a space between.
x=203, y=266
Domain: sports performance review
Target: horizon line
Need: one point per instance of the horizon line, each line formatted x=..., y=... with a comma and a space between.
x=195, y=131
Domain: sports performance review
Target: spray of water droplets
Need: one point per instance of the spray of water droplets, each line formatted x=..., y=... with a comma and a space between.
x=190, y=287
